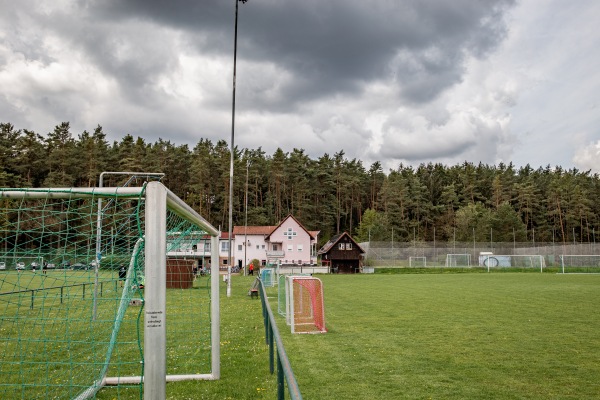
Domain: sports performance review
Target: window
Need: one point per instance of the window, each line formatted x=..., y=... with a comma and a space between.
x=300, y=247
x=290, y=247
x=263, y=246
x=275, y=247
x=239, y=247
x=349, y=246
x=342, y=246
x=290, y=233
x=225, y=245
x=206, y=246
x=257, y=247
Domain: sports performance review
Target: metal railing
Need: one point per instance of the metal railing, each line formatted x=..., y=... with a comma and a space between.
x=61, y=288
x=273, y=339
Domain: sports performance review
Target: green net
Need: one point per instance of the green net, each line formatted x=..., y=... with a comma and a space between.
x=68, y=328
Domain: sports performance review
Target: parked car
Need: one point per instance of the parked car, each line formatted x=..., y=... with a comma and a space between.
x=65, y=265
x=2, y=265
x=34, y=266
x=20, y=266
x=50, y=266
x=79, y=266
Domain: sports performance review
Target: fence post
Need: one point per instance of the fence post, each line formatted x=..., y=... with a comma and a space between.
x=280, y=386
x=271, y=351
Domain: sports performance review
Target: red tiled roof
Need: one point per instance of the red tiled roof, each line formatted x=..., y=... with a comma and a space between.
x=264, y=230
x=253, y=230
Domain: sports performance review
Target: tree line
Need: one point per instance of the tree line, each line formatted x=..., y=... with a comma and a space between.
x=332, y=194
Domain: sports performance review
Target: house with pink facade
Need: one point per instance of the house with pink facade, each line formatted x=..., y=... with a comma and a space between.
x=288, y=243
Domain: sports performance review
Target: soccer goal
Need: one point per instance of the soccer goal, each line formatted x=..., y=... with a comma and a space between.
x=458, y=260
x=495, y=262
x=268, y=277
x=283, y=294
x=114, y=299
x=305, y=309
x=580, y=264
x=417, y=262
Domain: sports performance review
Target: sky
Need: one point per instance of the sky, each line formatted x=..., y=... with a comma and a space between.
x=394, y=81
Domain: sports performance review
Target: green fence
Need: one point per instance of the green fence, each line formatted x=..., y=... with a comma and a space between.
x=285, y=375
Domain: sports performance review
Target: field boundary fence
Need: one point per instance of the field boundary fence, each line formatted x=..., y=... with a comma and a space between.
x=273, y=340
x=398, y=254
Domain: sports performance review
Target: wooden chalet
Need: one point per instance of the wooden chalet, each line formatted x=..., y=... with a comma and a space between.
x=342, y=253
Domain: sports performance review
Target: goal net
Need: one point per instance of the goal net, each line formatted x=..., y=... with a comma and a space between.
x=458, y=260
x=95, y=316
x=268, y=277
x=305, y=306
x=496, y=262
x=580, y=264
x=417, y=262
x=283, y=295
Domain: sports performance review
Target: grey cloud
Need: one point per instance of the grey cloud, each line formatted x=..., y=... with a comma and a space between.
x=329, y=47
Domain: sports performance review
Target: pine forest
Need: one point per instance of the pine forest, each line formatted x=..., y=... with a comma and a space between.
x=332, y=194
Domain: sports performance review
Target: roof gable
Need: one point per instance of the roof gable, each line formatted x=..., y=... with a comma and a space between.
x=335, y=239
x=313, y=237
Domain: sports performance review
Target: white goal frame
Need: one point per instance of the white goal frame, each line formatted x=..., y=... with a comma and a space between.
x=292, y=311
x=412, y=259
x=451, y=260
x=158, y=199
x=595, y=259
x=495, y=261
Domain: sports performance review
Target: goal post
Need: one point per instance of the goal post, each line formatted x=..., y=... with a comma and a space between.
x=580, y=264
x=417, y=262
x=83, y=325
x=306, y=308
x=514, y=262
x=458, y=260
x=268, y=276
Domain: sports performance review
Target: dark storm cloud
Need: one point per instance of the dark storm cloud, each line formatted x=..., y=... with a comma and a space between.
x=329, y=48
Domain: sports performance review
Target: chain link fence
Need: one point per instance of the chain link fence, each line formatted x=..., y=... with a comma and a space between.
x=398, y=254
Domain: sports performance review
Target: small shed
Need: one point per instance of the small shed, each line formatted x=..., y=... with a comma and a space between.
x=342, y=253
x=180, y=273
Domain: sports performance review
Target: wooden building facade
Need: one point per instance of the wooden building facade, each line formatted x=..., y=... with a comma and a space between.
x=342, y=253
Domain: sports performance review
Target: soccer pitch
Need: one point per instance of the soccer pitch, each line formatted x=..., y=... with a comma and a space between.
x=415, y=336
x=453, y=336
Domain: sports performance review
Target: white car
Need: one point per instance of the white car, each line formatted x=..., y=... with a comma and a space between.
x=2, y=265
x=20, y=266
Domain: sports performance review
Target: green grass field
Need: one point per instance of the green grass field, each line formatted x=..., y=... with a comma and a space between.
x=418, y=336
x=453, y=336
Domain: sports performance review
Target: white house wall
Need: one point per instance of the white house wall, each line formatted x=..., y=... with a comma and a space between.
x=256, y=248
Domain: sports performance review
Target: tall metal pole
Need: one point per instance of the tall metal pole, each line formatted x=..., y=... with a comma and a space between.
x=246, y=222
x=231, y=155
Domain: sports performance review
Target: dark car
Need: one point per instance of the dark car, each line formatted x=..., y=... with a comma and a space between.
x=65, y=265
x=79, y=266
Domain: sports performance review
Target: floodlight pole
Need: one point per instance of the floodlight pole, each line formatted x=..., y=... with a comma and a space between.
x=246, y=222
x=232, y=151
